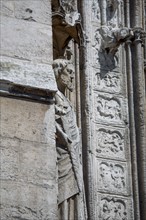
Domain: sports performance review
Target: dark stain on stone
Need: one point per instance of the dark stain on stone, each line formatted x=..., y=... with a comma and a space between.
x=28, y=10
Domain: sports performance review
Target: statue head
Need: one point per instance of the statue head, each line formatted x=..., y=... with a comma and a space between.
x=64, y=74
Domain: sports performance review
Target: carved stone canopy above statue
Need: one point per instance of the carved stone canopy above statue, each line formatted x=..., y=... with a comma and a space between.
x=65, y=28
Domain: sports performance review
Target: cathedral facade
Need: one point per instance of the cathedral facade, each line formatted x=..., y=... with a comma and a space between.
x=73, y=110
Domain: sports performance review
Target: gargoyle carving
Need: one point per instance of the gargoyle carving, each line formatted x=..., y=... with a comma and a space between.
x=112, y=38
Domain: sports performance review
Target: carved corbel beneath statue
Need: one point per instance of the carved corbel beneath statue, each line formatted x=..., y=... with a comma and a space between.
x=112, y=38
x=65, y=27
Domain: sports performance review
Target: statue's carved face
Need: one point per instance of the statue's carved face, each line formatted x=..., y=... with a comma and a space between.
x=67, y=77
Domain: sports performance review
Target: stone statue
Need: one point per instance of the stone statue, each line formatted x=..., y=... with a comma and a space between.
x=71, y=199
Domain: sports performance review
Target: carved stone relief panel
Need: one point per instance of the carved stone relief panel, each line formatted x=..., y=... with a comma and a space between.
x=110, y=82
x=112, y=143
x=114, y=208
x=110, y=109
x=112, y=177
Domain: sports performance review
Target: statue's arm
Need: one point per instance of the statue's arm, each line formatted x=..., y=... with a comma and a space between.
x=62, y=136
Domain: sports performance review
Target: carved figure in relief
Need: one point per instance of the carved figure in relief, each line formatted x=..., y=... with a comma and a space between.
x=112, y=209
x=105, y=174
x=110, y=81
x=70, y=180
x=112, y=175
x=110, y=142
x=117, y=174
x=109, y=108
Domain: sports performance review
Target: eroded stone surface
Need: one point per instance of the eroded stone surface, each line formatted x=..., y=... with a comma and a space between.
x=33, y=11
x=27, y=74
x=28, y=161
x=28, y=41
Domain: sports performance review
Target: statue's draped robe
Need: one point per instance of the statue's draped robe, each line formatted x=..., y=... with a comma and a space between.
x=70, y=181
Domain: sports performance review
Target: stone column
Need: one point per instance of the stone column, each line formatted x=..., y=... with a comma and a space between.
x=139, y=99
x=105, y=117
x=28, y=149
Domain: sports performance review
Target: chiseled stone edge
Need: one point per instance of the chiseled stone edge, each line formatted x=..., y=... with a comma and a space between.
x=12, y=90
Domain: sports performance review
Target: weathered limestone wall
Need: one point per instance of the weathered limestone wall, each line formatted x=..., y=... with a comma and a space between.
x=28, y=161
x=26, y=47
x=28, y=149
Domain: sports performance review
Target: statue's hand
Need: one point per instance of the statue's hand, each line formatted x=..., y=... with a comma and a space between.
x=59, y=111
